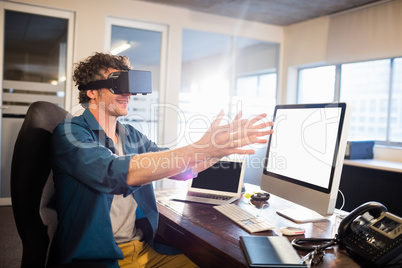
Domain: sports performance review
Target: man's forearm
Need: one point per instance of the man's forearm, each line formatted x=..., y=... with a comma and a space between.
x=192, y=172
x=148, y=167
x=217, y=142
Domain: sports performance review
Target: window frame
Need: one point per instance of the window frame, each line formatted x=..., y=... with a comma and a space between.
x=259, y=76
x=68, y=102
x=337, y=93
x=159, y=109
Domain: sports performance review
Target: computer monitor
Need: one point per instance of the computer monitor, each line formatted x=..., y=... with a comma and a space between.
x=304, y=158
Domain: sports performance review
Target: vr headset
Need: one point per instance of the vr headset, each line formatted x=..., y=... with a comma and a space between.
x=124, y=82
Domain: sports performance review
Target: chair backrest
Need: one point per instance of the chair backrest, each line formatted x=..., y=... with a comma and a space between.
x=32, y=184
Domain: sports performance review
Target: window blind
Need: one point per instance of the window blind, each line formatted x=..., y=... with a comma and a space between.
x=369, y=33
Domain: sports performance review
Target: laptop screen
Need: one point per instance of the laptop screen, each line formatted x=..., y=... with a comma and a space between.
x=223, y=176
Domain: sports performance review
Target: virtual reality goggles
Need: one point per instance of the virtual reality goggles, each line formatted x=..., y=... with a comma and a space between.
x=124, y=82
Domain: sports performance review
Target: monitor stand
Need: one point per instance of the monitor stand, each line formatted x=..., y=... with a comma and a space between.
x=300, y=214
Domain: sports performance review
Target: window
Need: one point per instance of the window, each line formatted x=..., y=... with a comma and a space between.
x=373, y=88
x=316, y=85
x=255, y=94
x=365, y=85
x=395, y=132
x=223, y=72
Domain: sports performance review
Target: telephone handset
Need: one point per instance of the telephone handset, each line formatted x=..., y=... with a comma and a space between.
x=373, y=208
x=372, y=233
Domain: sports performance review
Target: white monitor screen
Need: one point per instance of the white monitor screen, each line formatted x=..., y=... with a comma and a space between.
x=304, y=147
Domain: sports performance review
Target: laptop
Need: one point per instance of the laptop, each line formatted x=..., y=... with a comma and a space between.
x=219, y=184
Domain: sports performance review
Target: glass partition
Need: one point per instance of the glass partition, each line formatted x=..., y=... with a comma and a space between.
x=36, y=59
x=205, y=81
x=224, y=72
x=255, y=77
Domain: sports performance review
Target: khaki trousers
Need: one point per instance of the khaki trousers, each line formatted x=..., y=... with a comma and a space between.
x=138, y=254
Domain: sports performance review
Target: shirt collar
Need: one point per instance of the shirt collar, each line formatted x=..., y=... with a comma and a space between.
x=94, y=125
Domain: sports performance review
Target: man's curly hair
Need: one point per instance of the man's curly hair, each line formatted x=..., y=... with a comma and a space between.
x=94, y=68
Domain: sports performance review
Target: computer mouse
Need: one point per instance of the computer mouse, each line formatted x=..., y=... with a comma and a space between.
x=292, y=230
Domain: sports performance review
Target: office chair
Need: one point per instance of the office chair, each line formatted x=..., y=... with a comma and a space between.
x=32, y=191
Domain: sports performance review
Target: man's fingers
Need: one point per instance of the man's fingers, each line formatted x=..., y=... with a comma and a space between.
x=218, y=119
x=238, y=116
x=258, y=118
x=264, y=125
x=238, y=124
x=249, y=133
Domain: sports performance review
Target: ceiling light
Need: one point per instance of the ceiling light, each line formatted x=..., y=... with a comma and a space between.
x=120, y=48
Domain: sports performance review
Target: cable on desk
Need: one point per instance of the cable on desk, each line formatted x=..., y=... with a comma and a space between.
x=314, y=243
x=343, y=200
x=317, y=252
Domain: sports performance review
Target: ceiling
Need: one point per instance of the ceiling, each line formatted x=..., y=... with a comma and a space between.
x=275, y=12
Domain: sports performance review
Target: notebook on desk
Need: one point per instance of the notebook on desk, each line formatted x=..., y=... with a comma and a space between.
x=220, y=184
x=270, y=251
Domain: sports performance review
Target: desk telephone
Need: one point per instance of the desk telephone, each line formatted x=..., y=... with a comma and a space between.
x=372, y=233
x=369, y=233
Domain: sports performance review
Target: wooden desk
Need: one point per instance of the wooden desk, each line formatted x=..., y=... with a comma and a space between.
x=212, y=240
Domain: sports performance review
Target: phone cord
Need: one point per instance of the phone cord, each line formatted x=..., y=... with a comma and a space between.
x=318, y=243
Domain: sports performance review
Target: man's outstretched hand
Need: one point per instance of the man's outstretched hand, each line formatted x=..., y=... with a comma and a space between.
x=227, y=139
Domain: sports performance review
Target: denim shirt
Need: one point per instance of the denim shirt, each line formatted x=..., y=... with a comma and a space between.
x=87, y=174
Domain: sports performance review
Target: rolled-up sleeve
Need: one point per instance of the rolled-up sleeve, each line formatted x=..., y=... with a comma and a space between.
x=82, y=156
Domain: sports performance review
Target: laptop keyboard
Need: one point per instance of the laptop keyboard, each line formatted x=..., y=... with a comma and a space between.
x=243, y=218
x=211, y=196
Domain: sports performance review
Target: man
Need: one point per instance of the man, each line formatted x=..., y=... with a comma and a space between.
x=103, y=172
